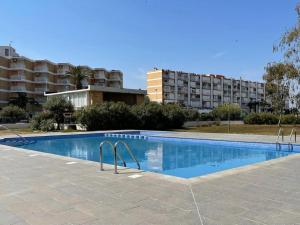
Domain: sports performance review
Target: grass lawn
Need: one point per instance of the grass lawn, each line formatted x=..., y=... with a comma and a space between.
x=18, y=131
x=235, y=129
x=242, y=129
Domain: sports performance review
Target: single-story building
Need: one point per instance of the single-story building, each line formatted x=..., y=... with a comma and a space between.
x=97, y=94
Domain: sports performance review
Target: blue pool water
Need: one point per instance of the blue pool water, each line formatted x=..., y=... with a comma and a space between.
x=178, y=157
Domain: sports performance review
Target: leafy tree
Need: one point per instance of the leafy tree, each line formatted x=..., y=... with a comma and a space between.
x=57, y=106
x=290, y=42
x=22, y=100
x=233, y=111
x=229, y=111
x=290, y=46
x=280, y=79
x=79, y=73
x=12, y=113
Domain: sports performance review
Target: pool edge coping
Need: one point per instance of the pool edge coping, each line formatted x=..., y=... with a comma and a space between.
x=192, y=180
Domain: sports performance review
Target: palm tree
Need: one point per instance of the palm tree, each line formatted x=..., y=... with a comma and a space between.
x=78, y=73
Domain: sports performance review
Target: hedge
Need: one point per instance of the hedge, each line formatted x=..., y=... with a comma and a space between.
x=151, y=116
x=270, y=118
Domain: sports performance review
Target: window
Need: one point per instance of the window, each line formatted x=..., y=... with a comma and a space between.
x=6, y=52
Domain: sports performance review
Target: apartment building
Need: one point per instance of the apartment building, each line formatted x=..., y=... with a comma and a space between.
x=35, y=77
x=201, y=91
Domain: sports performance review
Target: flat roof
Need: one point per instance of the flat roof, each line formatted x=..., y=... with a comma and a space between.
x=101, y=89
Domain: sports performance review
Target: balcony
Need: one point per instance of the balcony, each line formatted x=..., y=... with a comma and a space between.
x=17, y=65
x=18, y=88
x=65, y=82
x=18, y=77
x=41, y=68
x=206, y=92
x=41, y=79
x=169, y=82
x=42, y=90
x=102, y=84
x=100, y=76
x=206, y=98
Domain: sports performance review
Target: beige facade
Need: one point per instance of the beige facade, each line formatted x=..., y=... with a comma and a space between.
x=34, y=77
x=96, y=95
x=201, y=91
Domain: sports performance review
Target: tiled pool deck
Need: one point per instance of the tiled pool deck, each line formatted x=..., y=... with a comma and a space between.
x=38, y=189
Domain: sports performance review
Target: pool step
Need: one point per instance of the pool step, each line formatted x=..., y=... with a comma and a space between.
x=126, y=136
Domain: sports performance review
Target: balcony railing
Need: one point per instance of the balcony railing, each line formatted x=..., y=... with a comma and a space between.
x=41, y=89
x=100, y=76
x=64, y=82
x=18, y=88
x=41, y=79
x=18, y=77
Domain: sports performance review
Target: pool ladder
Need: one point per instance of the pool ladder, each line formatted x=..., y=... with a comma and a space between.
x=117, y=156
x=290, y=144
x=280, y=133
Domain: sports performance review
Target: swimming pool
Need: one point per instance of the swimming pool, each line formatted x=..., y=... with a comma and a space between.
x=178, y=157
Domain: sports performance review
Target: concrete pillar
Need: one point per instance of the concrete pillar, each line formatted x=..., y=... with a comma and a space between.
x=176, y=88
x=231, y=91
x=201, y=91
x=211, y=92
x=241, y=92
x=222, y=90
x=189, y=90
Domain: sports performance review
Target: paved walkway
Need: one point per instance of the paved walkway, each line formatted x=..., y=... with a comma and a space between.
x=43, y=189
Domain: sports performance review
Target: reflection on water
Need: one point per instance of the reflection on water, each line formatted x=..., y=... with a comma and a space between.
x=178, y=158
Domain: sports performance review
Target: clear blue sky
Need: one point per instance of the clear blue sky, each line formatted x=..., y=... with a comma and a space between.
x=230, y=37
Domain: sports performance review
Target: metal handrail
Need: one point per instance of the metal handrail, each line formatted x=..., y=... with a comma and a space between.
x=280, y=131
x=290, y=145
x=128, y=150
x=278, y=146
x=116, y=155
x=294, y=131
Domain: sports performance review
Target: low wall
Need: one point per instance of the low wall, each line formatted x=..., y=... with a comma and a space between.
x=15, y=126
x=200, y=123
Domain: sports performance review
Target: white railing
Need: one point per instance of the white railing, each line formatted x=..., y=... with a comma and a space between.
x=63, y=82
x=41, y=89
x=18, y=77
x=100, y=76
x=14, y=88
x=41, y=79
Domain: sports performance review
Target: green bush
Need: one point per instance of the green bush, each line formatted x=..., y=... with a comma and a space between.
x=176, y=116
x=57, y=106
x=221, y=112
x=37, y=120
x=121, y=116
x=191, y=114
x=47, y=125
x=12, y=114
x=150, y=116
x=290, y=119
x=106, y=116
x=206, y=117
x=261, y=118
